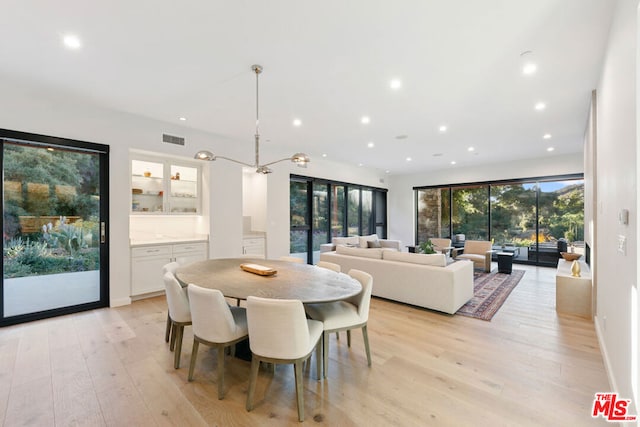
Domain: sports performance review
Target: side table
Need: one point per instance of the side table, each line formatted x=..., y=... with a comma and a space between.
x=505, y=262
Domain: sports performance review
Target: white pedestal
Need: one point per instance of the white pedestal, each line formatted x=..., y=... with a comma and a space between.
x=573, y=294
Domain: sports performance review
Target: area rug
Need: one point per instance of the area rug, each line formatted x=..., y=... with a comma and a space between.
x=490, y=290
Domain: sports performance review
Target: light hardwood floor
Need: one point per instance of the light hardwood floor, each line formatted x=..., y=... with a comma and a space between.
x=527, y=367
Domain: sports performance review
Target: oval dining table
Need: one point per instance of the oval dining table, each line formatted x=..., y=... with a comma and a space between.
x=307, y=283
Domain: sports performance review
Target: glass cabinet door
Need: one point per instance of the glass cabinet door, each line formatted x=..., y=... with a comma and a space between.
x=183, y=195
x=147, y=186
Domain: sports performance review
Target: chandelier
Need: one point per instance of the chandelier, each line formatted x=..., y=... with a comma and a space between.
x=299, y=159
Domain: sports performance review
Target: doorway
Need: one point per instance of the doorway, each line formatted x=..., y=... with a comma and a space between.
x=55, y=226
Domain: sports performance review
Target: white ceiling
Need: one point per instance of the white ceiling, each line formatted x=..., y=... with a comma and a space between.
x=329, y=63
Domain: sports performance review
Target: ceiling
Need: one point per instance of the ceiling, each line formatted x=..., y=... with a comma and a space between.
x=328, y=64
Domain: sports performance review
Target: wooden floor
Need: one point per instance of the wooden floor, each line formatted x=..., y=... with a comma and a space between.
x=527, y=367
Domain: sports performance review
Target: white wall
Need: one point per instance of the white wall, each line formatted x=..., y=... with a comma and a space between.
x=616, y=169
x=254, y=199
x=401, y=194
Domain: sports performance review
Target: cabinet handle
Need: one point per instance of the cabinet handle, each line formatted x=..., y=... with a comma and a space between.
x=152, y=250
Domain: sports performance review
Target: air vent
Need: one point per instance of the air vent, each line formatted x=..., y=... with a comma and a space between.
x=170, y=139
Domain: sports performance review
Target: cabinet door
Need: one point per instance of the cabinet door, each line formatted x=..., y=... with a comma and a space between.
x=147, y=186
x=253, y=246
x=146, y=268
x=189, y=252
x=146, y=274
x=184, y=191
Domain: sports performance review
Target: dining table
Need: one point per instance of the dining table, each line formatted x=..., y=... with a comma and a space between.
x=304, y=282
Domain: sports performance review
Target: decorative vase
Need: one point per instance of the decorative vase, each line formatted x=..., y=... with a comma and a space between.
x=575, y=269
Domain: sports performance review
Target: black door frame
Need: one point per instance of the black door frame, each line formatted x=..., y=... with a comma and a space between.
x=82, y=146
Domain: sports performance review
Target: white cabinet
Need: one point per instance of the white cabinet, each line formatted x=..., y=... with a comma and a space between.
x=147, y=263
x=253, y=246
x=164, y=186
x=573, y=294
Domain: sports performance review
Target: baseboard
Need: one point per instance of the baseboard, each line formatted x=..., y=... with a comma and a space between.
x=119, y=302
x=605, y=357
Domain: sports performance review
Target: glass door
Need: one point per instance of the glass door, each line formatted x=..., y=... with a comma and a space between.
x=55, y=250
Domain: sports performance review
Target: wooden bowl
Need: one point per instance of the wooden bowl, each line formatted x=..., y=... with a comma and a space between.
x=570, y=256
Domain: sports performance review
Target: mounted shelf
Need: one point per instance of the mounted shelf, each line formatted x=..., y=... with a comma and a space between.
x=164, y=187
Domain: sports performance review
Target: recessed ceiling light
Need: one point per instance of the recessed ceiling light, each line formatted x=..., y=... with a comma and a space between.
x=540, y=106
x=387, y=171
x=470, y=149
x=371, y=145
x=297, y=122
x=72, y=41
x=182, y=119
x=365, y=120
x=442, y=129
x=550, y=149
x=395, y=84
x=546, y=136
x=453, y=162
x=409, y=159
x=324, y=155
x=359, y=164
x=529, y=68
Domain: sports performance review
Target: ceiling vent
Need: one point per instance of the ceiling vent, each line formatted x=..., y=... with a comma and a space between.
x=170, y=139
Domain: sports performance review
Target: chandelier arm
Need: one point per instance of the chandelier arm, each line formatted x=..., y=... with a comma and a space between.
x=277, y=161
x=236, y=161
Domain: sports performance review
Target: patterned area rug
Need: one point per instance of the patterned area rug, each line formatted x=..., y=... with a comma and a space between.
x=490, y=290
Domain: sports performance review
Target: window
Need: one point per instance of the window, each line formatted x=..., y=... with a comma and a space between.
x=534, y=216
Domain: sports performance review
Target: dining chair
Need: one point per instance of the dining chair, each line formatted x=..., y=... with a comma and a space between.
x=171, y=267
x=291, y=259
x=345, y=315
x=214, y=324
x=329, y=265
x=280, y=333
x=179, y=312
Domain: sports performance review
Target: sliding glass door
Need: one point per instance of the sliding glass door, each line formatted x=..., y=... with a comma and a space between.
x=55, y=253
x=322, y=209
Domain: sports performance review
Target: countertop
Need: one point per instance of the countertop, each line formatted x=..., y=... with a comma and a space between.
x=253, y=234
x=162, y=240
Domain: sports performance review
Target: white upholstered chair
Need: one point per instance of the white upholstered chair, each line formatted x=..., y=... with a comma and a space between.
x=478, y=251
x=292, y=259
x=214, y=324
x=280, y=333
x=329, y=265
x=345, y=315
x=171, y=267
x=179, y=313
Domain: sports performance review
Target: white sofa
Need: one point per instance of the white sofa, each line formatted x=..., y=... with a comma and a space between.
x=422, y=280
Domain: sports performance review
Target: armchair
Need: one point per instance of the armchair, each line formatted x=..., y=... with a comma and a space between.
x=478, y=251
x=442, y=246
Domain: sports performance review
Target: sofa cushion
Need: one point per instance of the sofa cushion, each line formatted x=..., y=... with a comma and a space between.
x=364, y=253
x=364, y=239
x=353, y=241
x=374, y=244
x=438, y=260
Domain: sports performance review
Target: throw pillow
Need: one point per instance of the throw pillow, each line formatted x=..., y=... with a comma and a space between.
x=364, y=239
x=374, y=244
